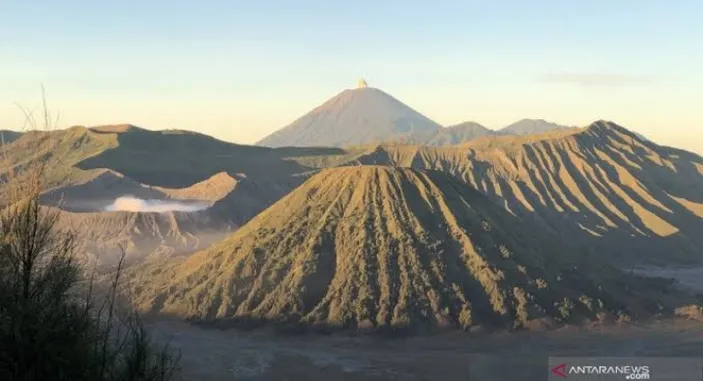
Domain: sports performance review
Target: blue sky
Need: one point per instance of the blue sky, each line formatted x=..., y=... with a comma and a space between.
x=242, y=69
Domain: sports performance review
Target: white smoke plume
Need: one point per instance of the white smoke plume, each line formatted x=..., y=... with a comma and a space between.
x=133, y=204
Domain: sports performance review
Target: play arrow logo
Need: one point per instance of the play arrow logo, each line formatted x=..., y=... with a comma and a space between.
x=560, y=370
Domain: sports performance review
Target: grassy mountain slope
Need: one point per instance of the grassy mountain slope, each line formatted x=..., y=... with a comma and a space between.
x=602, y=187
x=88, y=168
x=180, y=158
x=389, y=247
x=61, y=150
x=171, y=158
x=153, y=164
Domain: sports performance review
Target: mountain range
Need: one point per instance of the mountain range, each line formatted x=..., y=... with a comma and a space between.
x=367, y=115
x=398, y=222
x=89, y=169
x=379, y=247
x=114, y=214
x=359, y=116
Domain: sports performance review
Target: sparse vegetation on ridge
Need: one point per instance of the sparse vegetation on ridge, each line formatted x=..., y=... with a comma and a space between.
x=56, y=321
x=155, y=158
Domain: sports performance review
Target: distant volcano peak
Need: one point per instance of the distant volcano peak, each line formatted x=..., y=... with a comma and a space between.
x=357, y=116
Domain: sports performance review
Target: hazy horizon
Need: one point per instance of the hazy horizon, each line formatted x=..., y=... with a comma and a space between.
x=241, y=71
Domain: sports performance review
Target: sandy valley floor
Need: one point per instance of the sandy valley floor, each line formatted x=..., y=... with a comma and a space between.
x=209, y=354
x=212, y=354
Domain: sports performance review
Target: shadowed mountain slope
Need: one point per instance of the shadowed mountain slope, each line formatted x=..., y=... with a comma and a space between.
x=107, y=185
x=172, y=158
x=83, y=179
x=389, y=247
x=359, y=116
x=95, y=193
x=87, y=168
x=180, y=158
x=621, y=197
x=212, y=189
x=249, y=197
x=7, y=136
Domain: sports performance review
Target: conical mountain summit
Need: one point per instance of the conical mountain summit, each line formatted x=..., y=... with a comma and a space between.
x=382, y=247
x=355, y=116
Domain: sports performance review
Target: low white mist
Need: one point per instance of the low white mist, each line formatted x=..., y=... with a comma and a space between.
x=133, y=204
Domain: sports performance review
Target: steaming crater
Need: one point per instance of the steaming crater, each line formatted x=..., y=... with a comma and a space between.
x=133, y=204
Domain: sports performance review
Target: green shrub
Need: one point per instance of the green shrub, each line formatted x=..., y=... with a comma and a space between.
x=53, y=324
